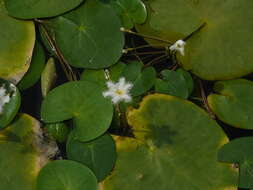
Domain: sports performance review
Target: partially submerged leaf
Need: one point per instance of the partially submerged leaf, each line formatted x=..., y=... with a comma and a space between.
x=233, y=103
x=83, y=102
x=58, y=131
x=48, y=77
x=35, y=69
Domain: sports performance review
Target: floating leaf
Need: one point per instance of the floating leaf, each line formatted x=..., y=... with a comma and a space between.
x=66, y=174
x=35, y=70
x=90, y=36
x=28, y=9
x=58, y=131
x=174, y=83
x=83, y=102
x=9, y=102
x=19, y=165
x=16, y=36
x=96, y=76
x=188, y=78
x=48, y=77
x=143, y=80
x=233, y=103
x=175, y=147
x=221, y=49
x=22, y=153
x=240, y=151
x=131, y=12
x=99, y=155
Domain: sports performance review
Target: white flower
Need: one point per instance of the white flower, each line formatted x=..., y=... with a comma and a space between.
x=119, y=91
x=178, y=46
x=4, y=98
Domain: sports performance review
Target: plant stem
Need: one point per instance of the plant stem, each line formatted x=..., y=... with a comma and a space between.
x=64, y=64
x=145, y=36
x=204, y=99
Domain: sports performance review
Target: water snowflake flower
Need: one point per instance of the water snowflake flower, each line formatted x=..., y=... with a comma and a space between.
x=178, y=46
x=119, y=91
x=4, y=98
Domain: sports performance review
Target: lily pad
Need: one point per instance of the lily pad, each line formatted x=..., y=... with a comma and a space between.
x=175, y=147
x=66, y=174
x=83, y=102
x=233, y=102
x=142, y=79
x=35, y=70
x=96, y=76
x=22, y=153
x=19, y=166
x=90, y=36
x=240, y=151
x=99, y=155
x=16, y=36
x=221, y=49
x=173, y=83
x=48, y=77
x=26, y=130
x=131, y=12
x=9, y=102
x=29, y=9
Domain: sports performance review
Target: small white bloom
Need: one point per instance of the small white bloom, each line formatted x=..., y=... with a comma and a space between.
x=178, y=46
x=119, y=91
x=4, y=98
x=122, y=29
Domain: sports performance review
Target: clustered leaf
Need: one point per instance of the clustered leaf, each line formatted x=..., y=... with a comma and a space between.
x=126, y=94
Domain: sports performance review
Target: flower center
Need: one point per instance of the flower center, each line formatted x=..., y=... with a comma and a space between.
x=119, y=92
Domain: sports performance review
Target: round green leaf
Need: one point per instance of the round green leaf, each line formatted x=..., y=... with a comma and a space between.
x=66, y=174
x=221, y=49
x=48, y=77
x=99, y=155
x=20, y=166
x=9, y=102
x=233, y=103
x=96, y=76
x=175, y=147
x=28, y=9
x=90, y=36
x=84, y=103
x=35, y=70
x=188, y=78
x=240, y=151
x=131, y=12
x=23, y=153
x=173, y=83
x=58, y=131
x=16, y=46
x=142, y=80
